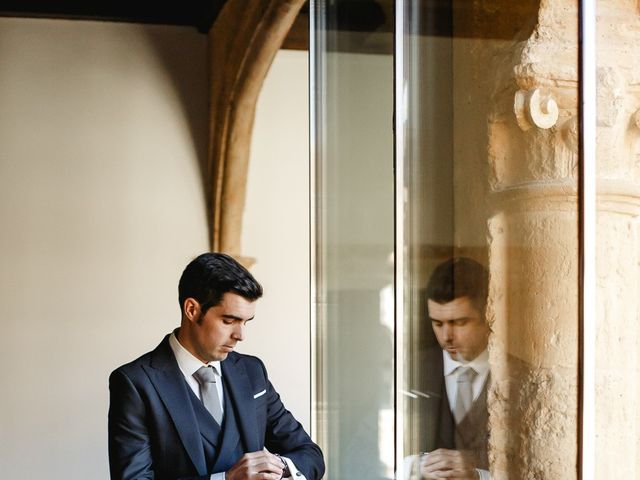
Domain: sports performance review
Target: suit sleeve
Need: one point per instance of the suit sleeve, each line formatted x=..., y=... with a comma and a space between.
x=285, y=435
x=129, y=446
x=130, y=455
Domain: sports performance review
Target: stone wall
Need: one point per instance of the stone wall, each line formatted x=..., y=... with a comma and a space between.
x=516, y=154
x=618, y=204
x=516, y=157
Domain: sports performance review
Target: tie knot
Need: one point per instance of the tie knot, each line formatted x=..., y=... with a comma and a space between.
x=205, y=375
x=467, y=374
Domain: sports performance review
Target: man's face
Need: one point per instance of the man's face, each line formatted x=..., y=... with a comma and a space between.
x=460, y=329
x=210, y=337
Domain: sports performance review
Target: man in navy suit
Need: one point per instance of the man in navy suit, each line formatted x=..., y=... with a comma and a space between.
x=453, y=422
x=162, y=417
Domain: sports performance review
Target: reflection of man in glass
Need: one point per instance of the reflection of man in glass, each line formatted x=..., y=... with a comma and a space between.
x=455, y=429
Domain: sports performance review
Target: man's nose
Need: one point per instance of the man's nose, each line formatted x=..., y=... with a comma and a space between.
x=238, y=332
x=448, y=331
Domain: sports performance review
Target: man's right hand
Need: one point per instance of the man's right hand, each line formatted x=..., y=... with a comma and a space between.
x=450, y=464
x=256, y=465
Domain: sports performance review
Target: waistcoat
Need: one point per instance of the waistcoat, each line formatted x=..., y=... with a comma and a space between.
x=222, y=446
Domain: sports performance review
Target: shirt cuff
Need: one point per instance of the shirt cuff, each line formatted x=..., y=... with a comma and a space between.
x=295, y=473
x=410, y=464
x=484, y=474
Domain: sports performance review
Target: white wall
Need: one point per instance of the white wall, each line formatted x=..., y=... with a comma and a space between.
x=276, y=230
x=101, y=206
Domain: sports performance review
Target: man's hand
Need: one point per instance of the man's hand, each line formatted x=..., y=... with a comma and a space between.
x=256, y=465
x=451, y=464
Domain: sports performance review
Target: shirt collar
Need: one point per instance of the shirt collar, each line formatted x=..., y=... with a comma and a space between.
x=186, y=361
x=480, y=364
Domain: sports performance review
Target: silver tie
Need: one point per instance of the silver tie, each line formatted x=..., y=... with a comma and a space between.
x=464, y=395
x=206, y=377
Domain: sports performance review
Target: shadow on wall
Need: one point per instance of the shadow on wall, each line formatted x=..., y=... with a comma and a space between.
x=102, y=127
x=184, y=72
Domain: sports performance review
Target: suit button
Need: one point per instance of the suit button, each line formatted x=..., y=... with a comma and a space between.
x=298, y=474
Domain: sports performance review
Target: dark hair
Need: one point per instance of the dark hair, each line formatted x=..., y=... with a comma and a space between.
x=210, y=275
x=459, y=277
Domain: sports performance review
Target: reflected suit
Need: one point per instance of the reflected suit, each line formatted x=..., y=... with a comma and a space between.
x=437, y=427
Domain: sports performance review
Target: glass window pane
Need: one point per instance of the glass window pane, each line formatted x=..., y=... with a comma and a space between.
x=490, y=330
x=354, y=238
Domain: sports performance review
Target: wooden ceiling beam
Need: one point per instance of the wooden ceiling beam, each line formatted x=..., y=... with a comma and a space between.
x=196, y=13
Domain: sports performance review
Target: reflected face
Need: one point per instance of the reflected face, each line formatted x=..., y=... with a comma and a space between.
x=210, y=337
x=460, y=329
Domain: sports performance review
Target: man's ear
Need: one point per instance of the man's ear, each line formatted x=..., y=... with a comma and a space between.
x=191, y=309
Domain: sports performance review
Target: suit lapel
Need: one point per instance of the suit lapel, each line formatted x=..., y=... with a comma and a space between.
x=239, y=387
x=446, y=429
x=169, y=382
x=438, y=425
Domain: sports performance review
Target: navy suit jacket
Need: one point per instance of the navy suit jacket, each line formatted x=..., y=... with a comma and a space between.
x=153, y=432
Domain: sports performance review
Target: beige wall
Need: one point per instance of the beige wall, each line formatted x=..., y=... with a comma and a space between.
x=276, y=230
x=101, y=206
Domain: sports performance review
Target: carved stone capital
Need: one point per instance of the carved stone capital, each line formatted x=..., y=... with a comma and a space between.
x=570, y=134
x=611, y=92
x=535, y=108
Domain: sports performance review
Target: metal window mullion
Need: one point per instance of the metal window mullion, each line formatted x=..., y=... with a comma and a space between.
x=399, y=225
x=588, y=239
x=315, y=161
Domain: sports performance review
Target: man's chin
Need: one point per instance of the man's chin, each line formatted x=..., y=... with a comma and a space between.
x=218, y=356
x=456, y=355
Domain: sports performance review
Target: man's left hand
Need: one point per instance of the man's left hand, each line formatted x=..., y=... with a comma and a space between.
x=451, y=464
x=259, y=465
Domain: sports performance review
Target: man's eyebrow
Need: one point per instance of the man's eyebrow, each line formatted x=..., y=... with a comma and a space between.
x=236, y=318
x=457, y=319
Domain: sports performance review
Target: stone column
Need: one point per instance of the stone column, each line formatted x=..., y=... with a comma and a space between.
x=519, y=72
x=618, y=203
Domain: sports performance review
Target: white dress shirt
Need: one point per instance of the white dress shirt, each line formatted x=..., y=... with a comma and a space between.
x=188, y=365
x=451, y=371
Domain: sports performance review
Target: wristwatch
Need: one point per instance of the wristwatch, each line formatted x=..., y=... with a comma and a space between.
x=286, y=473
